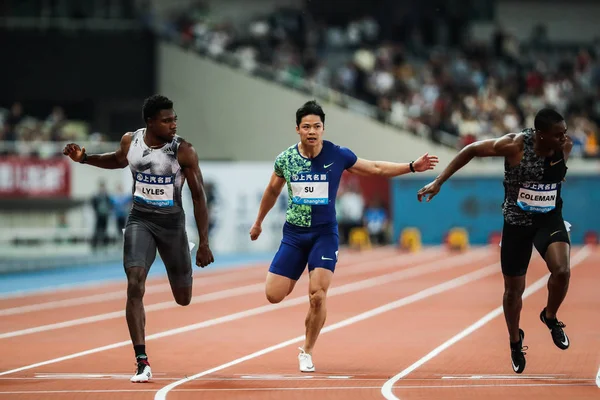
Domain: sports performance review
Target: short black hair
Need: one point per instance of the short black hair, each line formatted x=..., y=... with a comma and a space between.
x=546, y=118
x=154, y=104
x=310, y=108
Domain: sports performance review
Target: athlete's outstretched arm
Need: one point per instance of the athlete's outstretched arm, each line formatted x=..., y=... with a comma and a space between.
x=266, y=203
x=390, y=169
x=188, y=159
x=114, y=160
x=505, y=146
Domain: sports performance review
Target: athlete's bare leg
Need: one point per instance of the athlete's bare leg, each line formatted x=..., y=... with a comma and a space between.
x=320, y=280
x=278, y=287
x=514, y=286
x=134, y=310
x=557, y=260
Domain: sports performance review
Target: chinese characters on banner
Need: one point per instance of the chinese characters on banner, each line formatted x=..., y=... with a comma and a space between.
x=32, y=177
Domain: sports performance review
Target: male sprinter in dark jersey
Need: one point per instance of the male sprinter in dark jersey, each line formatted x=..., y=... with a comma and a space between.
x=312, y=170
x=160, y=162
x=534, y=168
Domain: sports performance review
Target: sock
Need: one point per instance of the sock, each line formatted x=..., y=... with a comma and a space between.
x=140, y=352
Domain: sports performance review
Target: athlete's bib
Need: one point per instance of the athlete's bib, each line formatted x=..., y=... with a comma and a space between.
x=538, y=197
x=156, y=190
x=309, y=189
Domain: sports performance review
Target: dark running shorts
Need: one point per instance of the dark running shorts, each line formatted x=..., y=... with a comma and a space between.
x=145, y=233
x=301, y=246
x=518, y=241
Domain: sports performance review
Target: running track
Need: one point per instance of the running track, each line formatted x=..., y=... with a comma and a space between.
x=426, y=325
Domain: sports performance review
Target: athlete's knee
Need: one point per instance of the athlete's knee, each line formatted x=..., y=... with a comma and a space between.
x=561, y=271
x=317, y=298
x=564, y=274
x=183, y=297
x=135, y=289
x=274, y=297
x=513, y=289
x=513, y=294
x=183, y=300
x=136, y=284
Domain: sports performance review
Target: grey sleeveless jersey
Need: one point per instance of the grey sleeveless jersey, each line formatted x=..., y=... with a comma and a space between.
x=533, y=188
x=157, y=177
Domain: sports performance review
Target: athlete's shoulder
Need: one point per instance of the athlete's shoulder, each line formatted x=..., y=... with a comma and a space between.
x=341, y=152
x=137, y=132
x=183, y=151
x=133, y=136
x=180, y=142
x=130, y=135
x=514, y=137
x=330, y=146
x=520, y=137
x=287, y=152
x=128, y=138
x=180, y=145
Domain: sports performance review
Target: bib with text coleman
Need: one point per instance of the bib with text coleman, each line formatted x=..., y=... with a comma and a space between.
x=537, y=197
x=156, y=190
x=310, y=189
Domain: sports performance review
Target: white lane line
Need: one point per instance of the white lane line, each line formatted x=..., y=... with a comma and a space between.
x=248, y=272
x=387, y=388
x=287, y=389
x=229, y=269
x=114, y=295
x=348, y=288
x=222, y=294
x=423, y=294
x=219, y=295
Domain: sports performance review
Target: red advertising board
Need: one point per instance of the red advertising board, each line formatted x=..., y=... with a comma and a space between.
x=33, y=177
x=371, y=187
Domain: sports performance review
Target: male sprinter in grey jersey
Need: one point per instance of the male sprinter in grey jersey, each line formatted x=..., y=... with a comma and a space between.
x=160, y=162
x=535, y=165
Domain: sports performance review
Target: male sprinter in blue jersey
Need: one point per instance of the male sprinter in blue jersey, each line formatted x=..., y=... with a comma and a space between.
x=312, y=170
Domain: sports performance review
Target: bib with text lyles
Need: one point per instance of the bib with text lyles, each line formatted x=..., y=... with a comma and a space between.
x=538, y=197
x=309, y=189
x=156, y=190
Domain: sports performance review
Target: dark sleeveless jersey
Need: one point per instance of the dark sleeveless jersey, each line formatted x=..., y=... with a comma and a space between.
x=532, y=188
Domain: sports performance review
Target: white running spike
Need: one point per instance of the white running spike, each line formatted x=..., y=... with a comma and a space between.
x=145, y=376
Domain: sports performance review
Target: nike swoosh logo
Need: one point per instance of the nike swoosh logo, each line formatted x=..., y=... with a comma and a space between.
x=554, y=233
x=566, y=341
x=329, y=165
x=325, y=258
x=515, y=368
x=552, y=164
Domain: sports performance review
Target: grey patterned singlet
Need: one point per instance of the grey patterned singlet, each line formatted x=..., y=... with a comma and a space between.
x=532, y=188
x=157, y=175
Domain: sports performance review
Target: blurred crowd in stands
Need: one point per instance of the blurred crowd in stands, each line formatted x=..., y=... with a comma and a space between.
x=452, y=89
x=40, y=135
x=467, y=91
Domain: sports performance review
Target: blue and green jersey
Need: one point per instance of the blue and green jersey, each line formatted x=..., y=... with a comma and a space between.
x=313, y=183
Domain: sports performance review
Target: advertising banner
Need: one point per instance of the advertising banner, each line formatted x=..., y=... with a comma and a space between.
x=31, y=177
